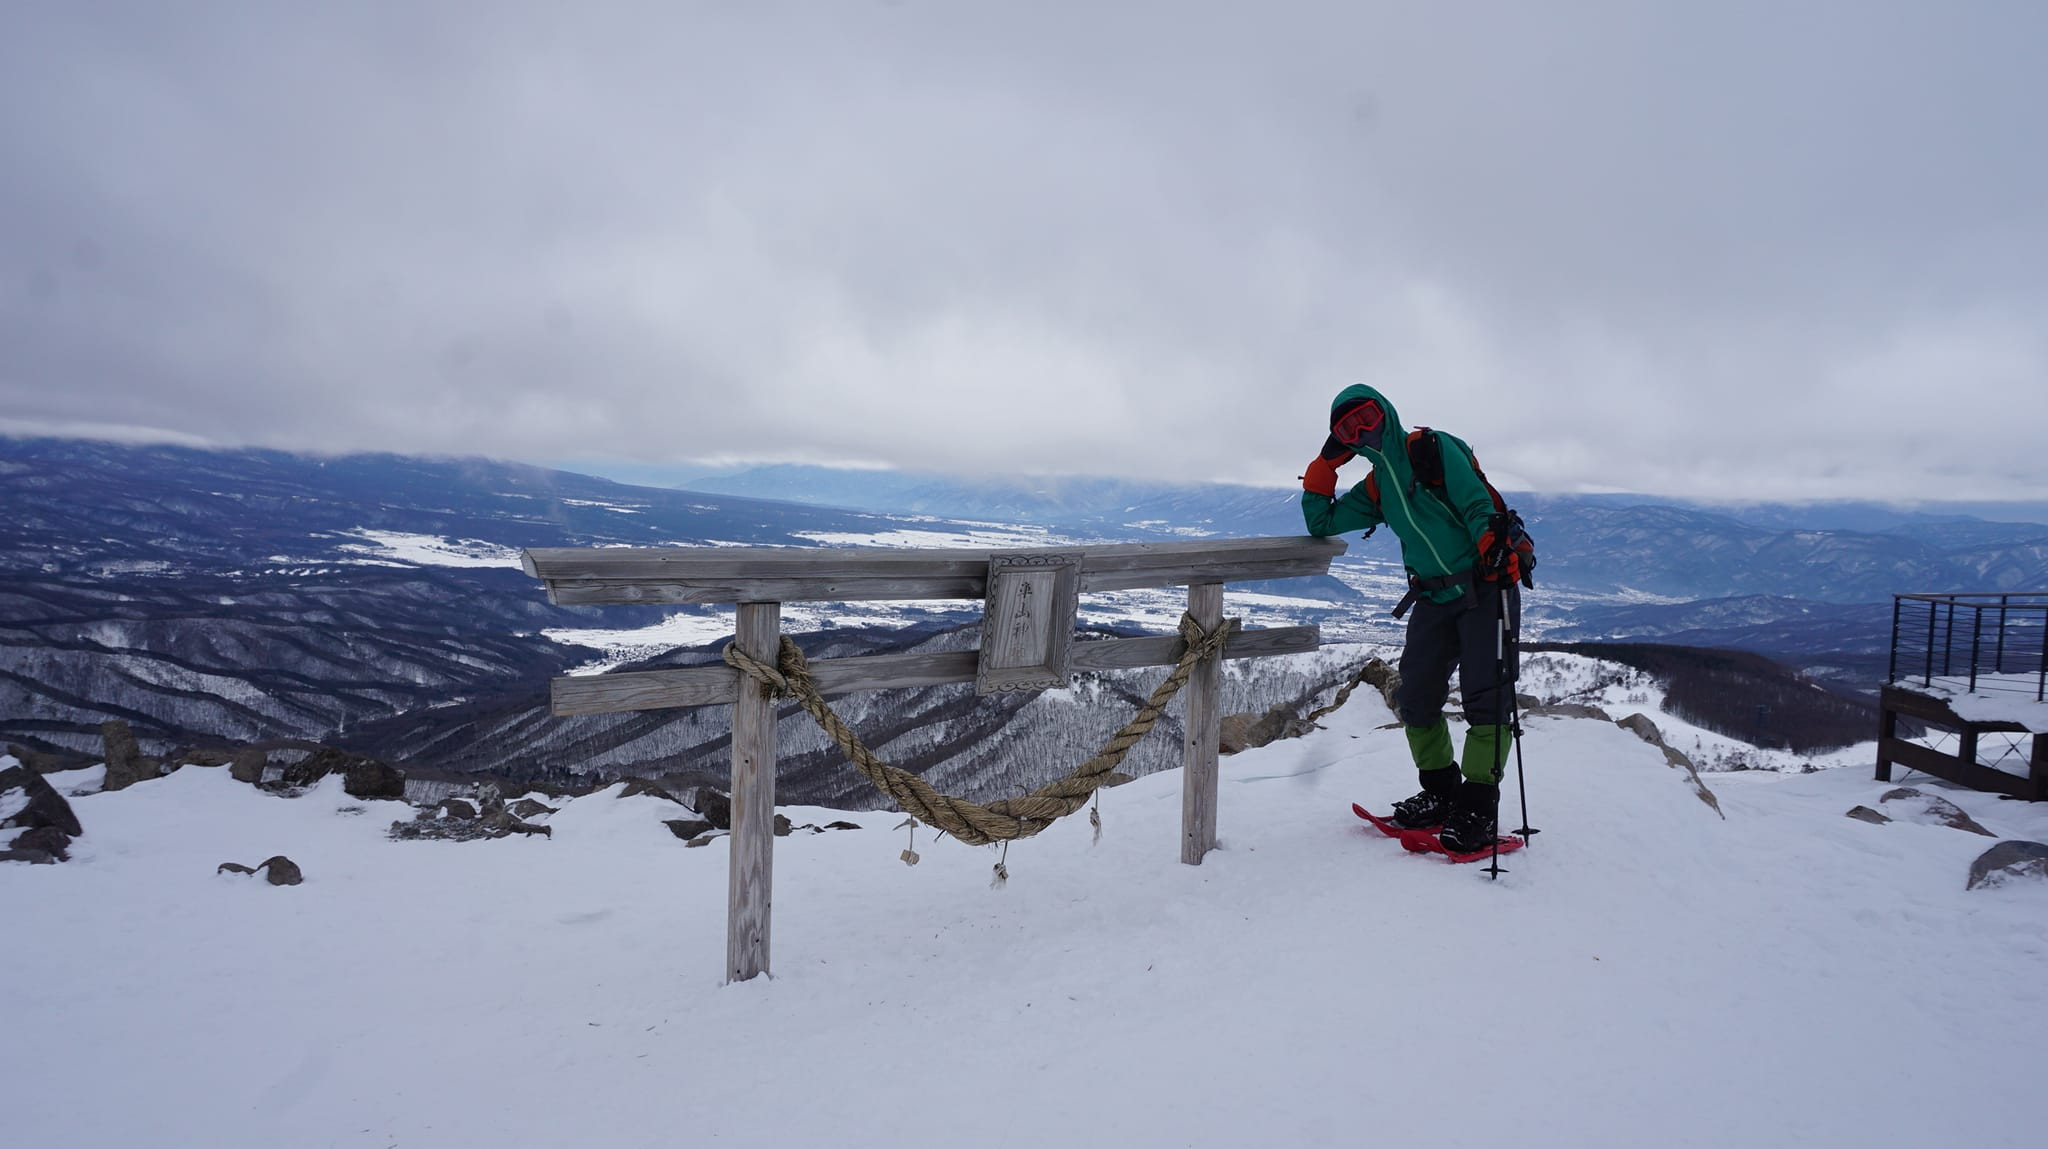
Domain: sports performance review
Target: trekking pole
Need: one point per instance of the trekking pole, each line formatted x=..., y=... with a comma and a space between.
x=1527, y=831
x=1500, y=679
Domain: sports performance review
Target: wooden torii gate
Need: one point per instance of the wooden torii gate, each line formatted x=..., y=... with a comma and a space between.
x=1030, y=596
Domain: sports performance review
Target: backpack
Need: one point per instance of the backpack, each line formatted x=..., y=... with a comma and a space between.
x=1426, y=463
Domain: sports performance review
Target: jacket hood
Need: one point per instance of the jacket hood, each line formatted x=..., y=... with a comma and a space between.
x=1391, y=459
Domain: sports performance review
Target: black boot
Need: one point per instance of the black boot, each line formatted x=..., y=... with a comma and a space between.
x=1469, y=827
x=1426, y=810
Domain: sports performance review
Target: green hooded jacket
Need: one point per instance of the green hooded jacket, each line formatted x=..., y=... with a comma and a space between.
x=1439, y=529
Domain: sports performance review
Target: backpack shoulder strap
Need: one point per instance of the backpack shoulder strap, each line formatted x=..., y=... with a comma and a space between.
x=1426, y=446
x=1426, y=457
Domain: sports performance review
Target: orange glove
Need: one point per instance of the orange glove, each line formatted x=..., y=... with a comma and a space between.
x=1501, y=562
x=1321, y=477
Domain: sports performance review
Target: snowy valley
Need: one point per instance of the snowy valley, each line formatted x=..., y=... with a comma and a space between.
x=216, y=598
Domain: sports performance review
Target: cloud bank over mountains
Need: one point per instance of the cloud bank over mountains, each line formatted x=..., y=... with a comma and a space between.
x=1746, y=251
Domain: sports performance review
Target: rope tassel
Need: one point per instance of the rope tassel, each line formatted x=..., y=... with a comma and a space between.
x=1002, y=869
x=910, y=855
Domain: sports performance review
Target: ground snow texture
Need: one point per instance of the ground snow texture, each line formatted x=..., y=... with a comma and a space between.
x=1646, y=974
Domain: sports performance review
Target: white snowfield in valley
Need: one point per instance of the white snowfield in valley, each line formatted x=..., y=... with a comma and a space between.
x=406, y=549
x=1154, y=611
x=1647, y=973
x=991, y=535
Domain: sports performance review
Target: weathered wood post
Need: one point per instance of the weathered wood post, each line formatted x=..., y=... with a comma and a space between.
x=1204, y=721
x=2038, y=768
x=750, y=877
x=1887, y=729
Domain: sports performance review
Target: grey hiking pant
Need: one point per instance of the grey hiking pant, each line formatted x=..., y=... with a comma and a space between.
x=1464, y=634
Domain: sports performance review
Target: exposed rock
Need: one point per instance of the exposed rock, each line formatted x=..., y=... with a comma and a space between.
x=45, y=839
x=489, y=799
x=842, y=826
x=714, y=806
x=310, y=769
x=1378, y=674
x=1567, y=710
x=278, y=870
x=1386, y=678
x=782, y=826
x=1250, y=731
x=247, y=765
x=35, y=803
x=126, y=764
x=504, y=823
x=455, y=808
x=637, y=786
x=1642, y=727
x=362, y=777
x=2010, y=860
x=32, y=857
x=529, y=808
x=687, y=828
x=47, y=762
x=707, y=838
x=429, y=827
x=1233, y=733
x=1931, y=810
x=369, y=778
x=1866, y=814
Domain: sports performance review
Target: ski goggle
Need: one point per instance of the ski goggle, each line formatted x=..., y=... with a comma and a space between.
x=1358, y=423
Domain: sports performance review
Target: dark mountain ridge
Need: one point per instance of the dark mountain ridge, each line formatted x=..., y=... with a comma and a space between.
x=234, y=594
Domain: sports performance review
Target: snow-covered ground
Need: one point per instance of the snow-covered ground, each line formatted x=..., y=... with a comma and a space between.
x=1646, y=974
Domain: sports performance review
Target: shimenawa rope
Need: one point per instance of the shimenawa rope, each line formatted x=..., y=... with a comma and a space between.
x=1010, y=818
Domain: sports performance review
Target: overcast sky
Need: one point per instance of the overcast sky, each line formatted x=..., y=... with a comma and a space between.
x=1769, y=250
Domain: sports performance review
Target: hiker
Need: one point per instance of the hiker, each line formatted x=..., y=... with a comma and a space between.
x=1464, y=552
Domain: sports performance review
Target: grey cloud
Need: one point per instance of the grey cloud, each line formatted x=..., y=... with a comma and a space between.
x=1746, y=249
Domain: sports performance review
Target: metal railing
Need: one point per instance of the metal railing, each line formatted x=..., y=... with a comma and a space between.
x=1981, y=643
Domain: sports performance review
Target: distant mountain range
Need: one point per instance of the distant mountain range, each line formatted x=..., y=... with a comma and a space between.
x=252, y=595
x=374, y=600
x=1604, y=544
x=1809, y=584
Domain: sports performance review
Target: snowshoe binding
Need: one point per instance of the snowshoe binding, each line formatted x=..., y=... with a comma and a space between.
x=1469, y=826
